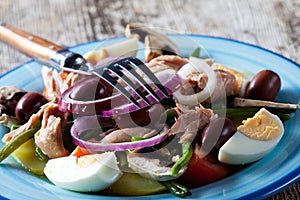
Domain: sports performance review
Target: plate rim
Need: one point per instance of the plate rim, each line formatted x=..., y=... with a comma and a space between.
x=262, y=192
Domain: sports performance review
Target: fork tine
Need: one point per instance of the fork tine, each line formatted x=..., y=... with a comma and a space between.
x=129, y=65
x=103, y=74
x=139, y=64
x=114, y=68
x=139, y=79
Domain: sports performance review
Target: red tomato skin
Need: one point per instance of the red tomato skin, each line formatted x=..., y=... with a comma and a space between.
x=202, y=171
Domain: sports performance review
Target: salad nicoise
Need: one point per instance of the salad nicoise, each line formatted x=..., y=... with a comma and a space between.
x=84, y=136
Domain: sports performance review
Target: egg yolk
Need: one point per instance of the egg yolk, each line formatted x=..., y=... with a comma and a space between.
x=263, y=126
x=86, y=161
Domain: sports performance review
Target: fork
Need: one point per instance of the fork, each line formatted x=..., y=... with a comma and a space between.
x=52, y=54
x=129, y=66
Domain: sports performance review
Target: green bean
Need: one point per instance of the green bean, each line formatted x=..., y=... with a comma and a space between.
x=249, y=112
x=15, y=143
x=170, y=116
x=176, y=189
x=40, y=153
x=136, y=138
x=37, y=125
x=122, y=158
x=196, y=53
x=14, y=127
x=187, y=152
x=69, y=124
x=283, y=115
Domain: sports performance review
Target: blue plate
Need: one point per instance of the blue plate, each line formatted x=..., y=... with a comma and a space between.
x=273, y=173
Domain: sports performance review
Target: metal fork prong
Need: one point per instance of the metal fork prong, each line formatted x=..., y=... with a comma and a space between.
x=114, y=69
x=139, y=64
x=110, y=80
x=140, y=80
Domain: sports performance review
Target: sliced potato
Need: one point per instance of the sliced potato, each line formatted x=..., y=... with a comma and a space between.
x=27, y=157
x=132, y=184
x=126, y=48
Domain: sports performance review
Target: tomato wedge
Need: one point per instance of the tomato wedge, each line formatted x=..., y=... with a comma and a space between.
x=204, y=170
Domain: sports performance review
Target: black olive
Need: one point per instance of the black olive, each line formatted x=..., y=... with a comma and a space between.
x=151, y=117
x=29, y=104
x=216, y=133
x=264, y=86
x=92, y=89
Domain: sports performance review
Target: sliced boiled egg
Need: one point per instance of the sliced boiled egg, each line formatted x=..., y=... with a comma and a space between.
x=255, y=138
x=88, y=173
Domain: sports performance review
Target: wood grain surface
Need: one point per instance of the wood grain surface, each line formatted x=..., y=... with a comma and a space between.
x=271, y=24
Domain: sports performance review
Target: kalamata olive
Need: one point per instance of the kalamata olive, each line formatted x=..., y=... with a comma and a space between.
x=216, y=133
x=91, y=89
x=147, y=117
x=29, y=104
x=264, y=86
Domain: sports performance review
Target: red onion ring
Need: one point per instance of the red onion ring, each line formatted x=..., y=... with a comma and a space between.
x=196, y=65
x=91, y=123
x=171, y=85
x=68, y=104
x=119, y=102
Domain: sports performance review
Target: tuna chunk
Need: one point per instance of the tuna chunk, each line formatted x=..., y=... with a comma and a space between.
x=50, y=137
x=11, y=135
x=196, y=81
x=166, y=62
x=190, y=122
x=225, y=85
x=55, y=85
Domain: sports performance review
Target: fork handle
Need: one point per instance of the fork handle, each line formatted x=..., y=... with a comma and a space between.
x=43, y=50
x=31, y=45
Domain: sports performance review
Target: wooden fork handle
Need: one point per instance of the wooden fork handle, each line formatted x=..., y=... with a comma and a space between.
x=29, y=44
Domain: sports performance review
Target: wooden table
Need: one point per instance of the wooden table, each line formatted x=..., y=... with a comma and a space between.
x=272, y=24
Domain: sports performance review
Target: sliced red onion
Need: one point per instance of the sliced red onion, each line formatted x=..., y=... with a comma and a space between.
x=91, y=123
x=169, y=79
x=68, y=104
x=196, y=65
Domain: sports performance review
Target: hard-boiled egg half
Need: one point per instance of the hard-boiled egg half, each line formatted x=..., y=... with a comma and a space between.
x=255, y=138
x=88, y=173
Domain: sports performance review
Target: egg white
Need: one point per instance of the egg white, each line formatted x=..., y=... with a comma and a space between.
x=241, y=149
x=89, y=173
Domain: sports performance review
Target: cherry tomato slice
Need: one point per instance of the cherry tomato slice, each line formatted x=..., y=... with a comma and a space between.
x=205, y=170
